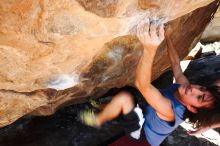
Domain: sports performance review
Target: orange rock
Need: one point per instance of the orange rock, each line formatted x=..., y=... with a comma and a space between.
x=56, y=53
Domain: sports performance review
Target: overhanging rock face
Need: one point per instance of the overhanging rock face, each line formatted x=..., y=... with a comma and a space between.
x=55, y=53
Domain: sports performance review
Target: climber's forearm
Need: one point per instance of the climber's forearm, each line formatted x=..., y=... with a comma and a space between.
x=175, y=60
x=174, y=57
x=144, y=70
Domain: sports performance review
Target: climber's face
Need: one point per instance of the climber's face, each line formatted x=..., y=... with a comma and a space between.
x=195, y=96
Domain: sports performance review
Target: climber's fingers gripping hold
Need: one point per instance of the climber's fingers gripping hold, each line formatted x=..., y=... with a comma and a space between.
x=143, y=32
x=150, y=34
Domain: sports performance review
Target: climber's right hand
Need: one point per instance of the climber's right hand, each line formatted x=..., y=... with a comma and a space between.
x=150, y=34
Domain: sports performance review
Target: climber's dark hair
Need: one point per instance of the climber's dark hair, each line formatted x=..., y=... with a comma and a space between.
x=206, y=116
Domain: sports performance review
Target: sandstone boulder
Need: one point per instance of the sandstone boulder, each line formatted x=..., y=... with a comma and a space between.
x=59, y=52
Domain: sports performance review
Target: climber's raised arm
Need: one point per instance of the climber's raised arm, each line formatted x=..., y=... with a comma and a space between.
x=151, y=36
x=148, y=36
x=174, y=59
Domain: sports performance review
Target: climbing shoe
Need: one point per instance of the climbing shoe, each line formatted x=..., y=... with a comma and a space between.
x=88, y=118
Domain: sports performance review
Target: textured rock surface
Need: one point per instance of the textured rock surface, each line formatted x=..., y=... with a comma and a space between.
x=55, y=53
x=63, y=127
x=212, y=31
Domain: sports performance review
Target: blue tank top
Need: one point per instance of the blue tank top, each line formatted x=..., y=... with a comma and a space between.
x=156, y=129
